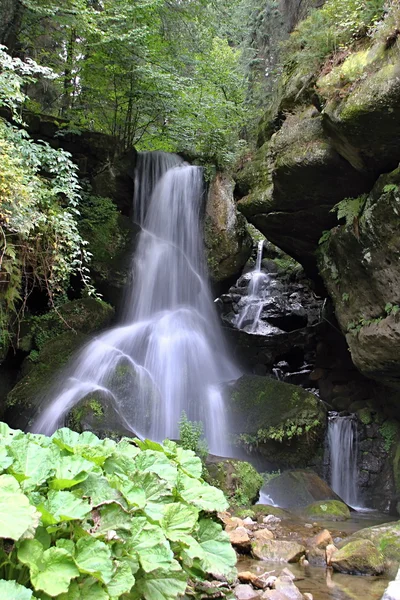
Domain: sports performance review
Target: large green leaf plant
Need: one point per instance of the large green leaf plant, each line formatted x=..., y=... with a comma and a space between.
x=89, y=519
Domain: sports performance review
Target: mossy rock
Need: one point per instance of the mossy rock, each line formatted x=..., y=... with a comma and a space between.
x=281, y=421
x=23, y=399
x=263, y=510
x=327, y=510
x=95, y=413
x=296, y=489
x=238, y=479
x=84, y=316
x=358, y=557
x=386, y=539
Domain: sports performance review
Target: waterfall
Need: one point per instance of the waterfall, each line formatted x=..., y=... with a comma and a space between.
x=342, y=443
x=251, y=304
x=168, y=355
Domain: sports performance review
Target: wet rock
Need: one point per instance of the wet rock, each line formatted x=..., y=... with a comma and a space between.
x=385, y=537
x=286, y=421
x=274, y=595
x=298, y=488
x=331, y=510
x=232, y=523
x=277, y=550
x=329, y=552
x=322, y=539
x=287, y=573
x=271, y=520
x=238, y=479
x=228, y=244
x=251, y=578
x=239, y=539
x=358, y=557
x=263, y=535
x=392, y=592
x=245, y=592
x=286, y=586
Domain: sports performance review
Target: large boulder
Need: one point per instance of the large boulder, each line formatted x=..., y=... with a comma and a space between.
x=282, y=422
x=360, y=267
x=228, y=243
x=298, y=488
x=277, y=550
x=327, y=510
x=358, y=557
x=385, y=538
x=238, y=479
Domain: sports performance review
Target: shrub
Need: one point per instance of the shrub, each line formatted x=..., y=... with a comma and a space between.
x=191, y=434
x=83, y=518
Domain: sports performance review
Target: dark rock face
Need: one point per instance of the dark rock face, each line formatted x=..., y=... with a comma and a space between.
x=278, y=422
x=360, y=267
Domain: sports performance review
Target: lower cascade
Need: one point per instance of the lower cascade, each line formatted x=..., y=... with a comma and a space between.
x=168, y=355
x=343, y=447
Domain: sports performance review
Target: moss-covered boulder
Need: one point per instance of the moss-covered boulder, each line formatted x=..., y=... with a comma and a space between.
x=238, y=479
x=277, y=550
x=360, y=267
x=358, y=557
x=283, y=422
x=327, y=510
x=298, y=488
x=385, y=538
x=228, y=243
x=52, y=340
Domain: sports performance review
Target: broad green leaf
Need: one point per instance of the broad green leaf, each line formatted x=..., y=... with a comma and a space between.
x=32, y=463
x=54, y=572
x=62, y=506
x=94, y=558
x=190, y=549
x=133, y=494
x=11, y=590
x=179, y=520
x=220, y=557
x=122, y=580
x=66, y=439
x=69, y=471
x=92, y=590
x=113, y=517
x=162, y=585
x=30, y=553
x=5, y=459
x=189, y=462
x=150, y=545
x=98, y=489
x=149, y=445
x=150, y=461
x=17, y=515
x=67, y=545
x=202, y=495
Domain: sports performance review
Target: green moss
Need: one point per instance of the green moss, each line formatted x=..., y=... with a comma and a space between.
x=331, y=510
x=365, y=416
x=389, y=430
x=243, y=513
x=238, y=479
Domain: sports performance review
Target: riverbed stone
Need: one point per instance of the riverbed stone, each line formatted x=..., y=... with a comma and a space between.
x=263, y=535
x=244, y=591
x=288, y=588
x=358, y=557
x=386, y=538
x=277, y=550
x=240, y=539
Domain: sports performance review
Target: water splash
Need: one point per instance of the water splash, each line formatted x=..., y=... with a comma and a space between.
x=343, y=447
x=169, y=354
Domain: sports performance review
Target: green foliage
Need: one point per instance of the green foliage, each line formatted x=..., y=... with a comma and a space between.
x=392, y=309
x=391, y=187
x=389, y=430
x=331, y=28
x=40, y=244
x=325, y=236
x=91, y=518
x=191, y=436
x=249, y=483
x=350, y=209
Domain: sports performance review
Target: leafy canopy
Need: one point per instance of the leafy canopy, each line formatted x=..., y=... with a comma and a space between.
x=96, y=519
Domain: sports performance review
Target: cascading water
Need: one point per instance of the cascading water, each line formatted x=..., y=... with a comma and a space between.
x=251, y=305
x=169, y=353
x=343, y=447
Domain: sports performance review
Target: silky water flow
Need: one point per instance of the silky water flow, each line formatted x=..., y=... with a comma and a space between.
x=168, y=355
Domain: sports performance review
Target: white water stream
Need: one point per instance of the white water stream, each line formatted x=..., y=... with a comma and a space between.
x=342, y=441
x=169, y=351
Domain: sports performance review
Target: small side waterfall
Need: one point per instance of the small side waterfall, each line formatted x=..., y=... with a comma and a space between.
x=252, y=304
x=343, y=447
x=169, y=355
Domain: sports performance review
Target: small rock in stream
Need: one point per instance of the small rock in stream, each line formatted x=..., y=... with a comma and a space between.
x=246, y=592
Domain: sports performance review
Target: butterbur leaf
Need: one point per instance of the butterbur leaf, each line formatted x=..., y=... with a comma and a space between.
x=133, y=494
x=150, y=461
x=98, y=489
x=220, y=557
x=189, y=462
x=66, y=439
x=17, y=515
x=32, y=464
x=201, y=494
x=179, y=520
x=67, y=545
x=122, y=581
x=62, y=506
x=11, y=590
x=94, y=558
x=51, y=570
x=69, y=471
x=162, y=585
x=149, y=445
x=5, y=459
x=150, y=545
x=113, y=517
